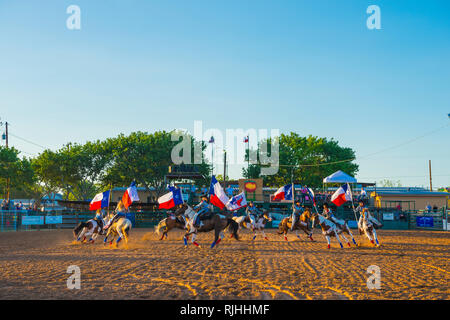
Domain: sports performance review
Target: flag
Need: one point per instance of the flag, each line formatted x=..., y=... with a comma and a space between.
x=216, y=194
x=130, y=195
x=312, y=196
x=211, y=140
x=342, y=195
x=246, y=139
x=171, y=199
x=237, y=202
x=284, y=193
x=101, y=200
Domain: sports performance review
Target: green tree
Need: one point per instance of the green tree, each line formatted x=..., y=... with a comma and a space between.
x=307, y=159
x=16, y=171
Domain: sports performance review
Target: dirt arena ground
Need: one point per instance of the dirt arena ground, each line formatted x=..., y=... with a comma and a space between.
x=414, y=265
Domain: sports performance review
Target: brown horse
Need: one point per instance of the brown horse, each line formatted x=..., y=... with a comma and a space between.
x=215, y=221
x=329, y=228
x=301, y=224
x=169, y=223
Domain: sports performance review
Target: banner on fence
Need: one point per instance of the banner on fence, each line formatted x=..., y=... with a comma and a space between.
x=32, y=220
x=424, y=222
x=388, y=216
x=53, y=219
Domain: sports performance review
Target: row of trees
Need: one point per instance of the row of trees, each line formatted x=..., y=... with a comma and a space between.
x=78, y=171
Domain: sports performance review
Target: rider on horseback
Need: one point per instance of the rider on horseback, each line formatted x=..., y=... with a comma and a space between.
x=99, y=219
x=252, y=213
x=120, y=214
x=327, y=213
x=202, y=209
x=297, y=211
x=364, y=214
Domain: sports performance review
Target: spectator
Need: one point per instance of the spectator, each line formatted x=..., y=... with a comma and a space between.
x=435, y=208
x=204, y=190
x=229, y=191
x=428, y=208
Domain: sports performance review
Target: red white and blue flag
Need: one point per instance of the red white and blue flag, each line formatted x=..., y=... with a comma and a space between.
x=237, y=202
x=246, y=139
x=217, y=195
x=284, y=193
x=211, y=140
x=101, y=200
x=171, y=199
x=342, y=195
x=130, y=195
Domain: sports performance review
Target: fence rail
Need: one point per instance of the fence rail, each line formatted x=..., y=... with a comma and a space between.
x=21, y=220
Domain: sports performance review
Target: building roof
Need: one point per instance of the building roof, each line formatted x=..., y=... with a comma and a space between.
x=405, y=191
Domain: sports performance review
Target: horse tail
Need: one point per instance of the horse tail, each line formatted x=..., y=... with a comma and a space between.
x=78, y=228
x=233, y=227
x=160, y=226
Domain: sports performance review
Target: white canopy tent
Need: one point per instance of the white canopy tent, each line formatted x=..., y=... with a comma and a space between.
x=339, y=177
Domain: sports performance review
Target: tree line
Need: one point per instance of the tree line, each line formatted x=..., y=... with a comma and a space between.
x=79, y=171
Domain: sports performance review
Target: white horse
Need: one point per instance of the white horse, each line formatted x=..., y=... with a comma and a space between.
x=121, y=227
x=367, y=224
x=260, y=223
x=329, y=228
x=89, y=228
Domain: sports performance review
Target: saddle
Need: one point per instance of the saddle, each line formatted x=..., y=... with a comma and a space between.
x=205, y=216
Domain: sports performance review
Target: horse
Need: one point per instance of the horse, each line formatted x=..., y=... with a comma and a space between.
x=244, y=222
x=169, y=223
x=342, y=225
x=329, y=228
x=216, y=221
x=367, y=226
x=89, y=228
x=121, y=227
x=301, y=224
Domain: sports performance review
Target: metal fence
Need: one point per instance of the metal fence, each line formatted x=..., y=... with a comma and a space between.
x=22, y=220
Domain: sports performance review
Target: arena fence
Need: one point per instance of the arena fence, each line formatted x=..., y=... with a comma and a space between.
x=22, y=220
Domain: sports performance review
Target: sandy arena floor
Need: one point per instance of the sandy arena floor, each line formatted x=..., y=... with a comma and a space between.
x=414, y=265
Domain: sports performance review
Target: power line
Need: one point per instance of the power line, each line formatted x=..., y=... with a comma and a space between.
x=28, y=141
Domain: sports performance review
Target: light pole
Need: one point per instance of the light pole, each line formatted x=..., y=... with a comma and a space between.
x=5, y=137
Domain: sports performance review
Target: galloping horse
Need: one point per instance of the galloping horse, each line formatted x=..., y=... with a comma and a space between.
x=301, y=224
x=342, y=225
x=368, y=227
x=169, y=223
x=244, y=222
x=89, y=228
x=121, y=227
x=217, y=222
x=329, y=228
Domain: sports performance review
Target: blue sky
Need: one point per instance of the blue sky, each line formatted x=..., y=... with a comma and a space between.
x=307, y=66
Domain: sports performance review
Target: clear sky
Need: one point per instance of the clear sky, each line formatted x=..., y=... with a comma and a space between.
x=307, y=66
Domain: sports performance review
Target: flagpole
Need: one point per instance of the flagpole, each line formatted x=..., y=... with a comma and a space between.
x=248, y=156
x=353, y=206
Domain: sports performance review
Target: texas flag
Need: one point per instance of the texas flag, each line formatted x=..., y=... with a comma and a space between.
x=284, y=193
x=246, y=139
x=171, y=199
x=342, y=195
x=237, y=202
x=130, y=195
x=216, y=194
x=101, y=200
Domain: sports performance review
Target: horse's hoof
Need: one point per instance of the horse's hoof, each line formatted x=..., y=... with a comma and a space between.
x=285, y=238
x=349, y=244
x=265, y=238
x=328, y=246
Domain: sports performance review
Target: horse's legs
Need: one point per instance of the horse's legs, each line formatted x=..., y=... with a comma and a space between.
x=254, y=236
x=329, y=241
x=194, y=236
x=351, y=235
x=285, y=235
x=264, y=235
x=366, y=231
x=375, y=236
x=345, y=238
x=81, y=234
x=338, y=239
x=298, y=236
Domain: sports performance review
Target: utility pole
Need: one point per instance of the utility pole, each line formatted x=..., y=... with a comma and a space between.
x=431, y=183
x=224, y=167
